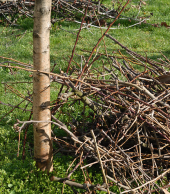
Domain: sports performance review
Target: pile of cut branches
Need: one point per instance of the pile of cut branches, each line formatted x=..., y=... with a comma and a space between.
x=124, y=124
x=70, y=10
x=129, y=135
x=63, y=9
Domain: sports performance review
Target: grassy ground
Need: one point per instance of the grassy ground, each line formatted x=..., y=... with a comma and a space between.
x=18, y=176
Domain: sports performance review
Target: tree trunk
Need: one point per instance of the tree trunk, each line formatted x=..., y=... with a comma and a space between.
x=41, y=85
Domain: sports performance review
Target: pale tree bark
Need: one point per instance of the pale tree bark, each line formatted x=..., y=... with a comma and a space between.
x=41, y=85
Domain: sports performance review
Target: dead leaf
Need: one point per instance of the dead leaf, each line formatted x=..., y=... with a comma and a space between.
x=143, y=2
x=164, y=24
x=164, y=78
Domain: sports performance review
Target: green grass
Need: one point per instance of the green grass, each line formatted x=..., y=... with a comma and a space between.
x=17, y=176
